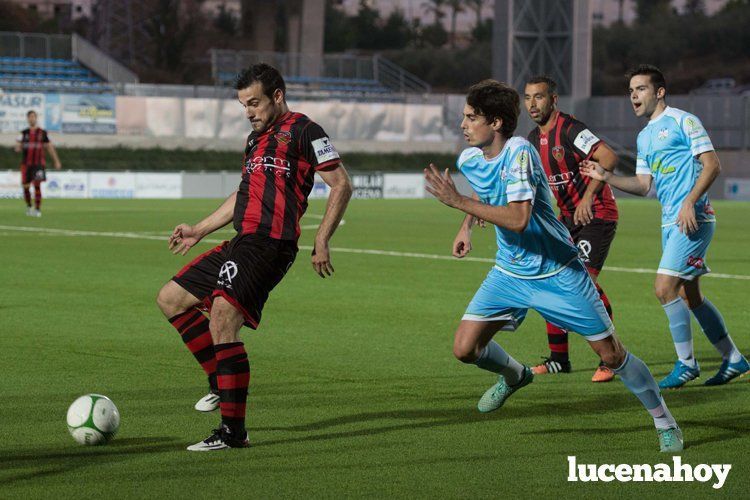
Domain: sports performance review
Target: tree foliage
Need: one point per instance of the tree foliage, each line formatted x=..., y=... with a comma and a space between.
x=689, y=48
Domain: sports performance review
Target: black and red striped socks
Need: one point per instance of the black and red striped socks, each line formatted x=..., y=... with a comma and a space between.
x=557, y=338
x=233, y=377
x=27, y=196
x=37, y=194
x=193, y=328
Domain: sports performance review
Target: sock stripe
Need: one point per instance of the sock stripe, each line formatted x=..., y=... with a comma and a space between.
x=179, y=320
x=223, y=353
x=233, y=410
x=237, y=381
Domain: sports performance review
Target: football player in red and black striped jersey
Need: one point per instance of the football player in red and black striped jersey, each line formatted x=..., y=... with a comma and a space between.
x=588, y=209
x=31, y=143
x=283, y=154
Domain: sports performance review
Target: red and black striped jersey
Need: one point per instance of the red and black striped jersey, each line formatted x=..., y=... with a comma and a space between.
x=278, y=173
x=562, y=148
x=32, y=144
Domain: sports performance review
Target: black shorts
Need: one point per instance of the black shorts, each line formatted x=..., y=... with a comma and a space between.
x=593, y=241
x=32, y=173
x=243, y=271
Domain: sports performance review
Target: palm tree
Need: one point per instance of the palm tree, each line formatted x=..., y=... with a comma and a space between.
x=476, y=6
x=456, y=6
x=435, y=7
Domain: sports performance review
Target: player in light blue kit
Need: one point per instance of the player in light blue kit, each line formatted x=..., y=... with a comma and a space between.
x=676, y=154
x=537, y=265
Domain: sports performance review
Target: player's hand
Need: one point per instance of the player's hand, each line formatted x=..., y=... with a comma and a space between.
x=321, y=260
x=686, y=220
x=583, y=213
x=183, y=238
x=441, y=186
x=58, y=166
x=462, y=244
x=594, y=170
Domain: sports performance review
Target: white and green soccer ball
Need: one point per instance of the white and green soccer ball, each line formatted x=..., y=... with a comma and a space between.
x=93, y=419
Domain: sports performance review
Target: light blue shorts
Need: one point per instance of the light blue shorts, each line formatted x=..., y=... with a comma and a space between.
x=682, y=255
x=567, y=299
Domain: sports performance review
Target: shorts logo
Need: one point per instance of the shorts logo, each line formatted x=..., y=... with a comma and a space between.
x=558, y=153
x=584, y=250
x=227, y=273
x=696, y=262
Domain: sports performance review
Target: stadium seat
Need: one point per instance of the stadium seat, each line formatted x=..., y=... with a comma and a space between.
x=22, y=74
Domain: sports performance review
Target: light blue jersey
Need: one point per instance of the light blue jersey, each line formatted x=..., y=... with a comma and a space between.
x=667, y=150
x=545, y=247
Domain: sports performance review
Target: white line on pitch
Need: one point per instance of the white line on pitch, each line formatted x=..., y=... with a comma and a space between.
x=365, y=251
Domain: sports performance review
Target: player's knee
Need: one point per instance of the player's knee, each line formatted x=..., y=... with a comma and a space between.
x=464, y=352
x=665, y=293
x=168, y=302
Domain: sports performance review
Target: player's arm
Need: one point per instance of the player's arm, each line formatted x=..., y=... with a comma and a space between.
x=462, y=241
x=515, y=216
x=185, y=236
x=607, y=158
x=686, y=219
x=53, y=153
x=341, y=192
x=18, y=146
x=639, y=184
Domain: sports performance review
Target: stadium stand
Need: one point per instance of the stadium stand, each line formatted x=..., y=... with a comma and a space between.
x=337, y=76
x=25, y=74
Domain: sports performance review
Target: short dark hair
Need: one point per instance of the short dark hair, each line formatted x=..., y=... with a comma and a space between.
x=551, y=84
x=654, y=74
x=268, y=76
x=30, y=112
x=493, y=99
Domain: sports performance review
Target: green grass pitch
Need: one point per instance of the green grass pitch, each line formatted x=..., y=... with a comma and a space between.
x=354, y=390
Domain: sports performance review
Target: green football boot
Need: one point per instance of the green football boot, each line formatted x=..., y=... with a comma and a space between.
x=498, y=393
x=670, y=440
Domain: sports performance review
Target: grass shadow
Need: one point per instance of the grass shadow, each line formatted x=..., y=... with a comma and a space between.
x=34, y=464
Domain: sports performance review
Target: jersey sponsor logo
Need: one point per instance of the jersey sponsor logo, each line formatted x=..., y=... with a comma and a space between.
x=227, y=273
x=558, y=153
x=585, y=140
x=560, y=180
x=324, y=150
x=663, y=134
x=659, y=167
x=279, y=166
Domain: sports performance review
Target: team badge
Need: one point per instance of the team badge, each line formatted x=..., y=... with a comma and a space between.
x=558, y=153
x=283, y=137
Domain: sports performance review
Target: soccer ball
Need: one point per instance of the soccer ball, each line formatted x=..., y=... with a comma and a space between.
x=93, y=419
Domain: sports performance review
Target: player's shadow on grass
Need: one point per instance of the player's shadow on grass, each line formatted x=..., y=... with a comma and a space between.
x=518, y=409
x=34, y=464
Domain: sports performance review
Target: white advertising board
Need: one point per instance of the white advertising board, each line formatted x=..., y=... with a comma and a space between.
x=10, y=184
x=403, y=186
x=112, y=184
x=61, y=184
x=151, y=185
